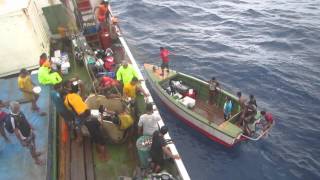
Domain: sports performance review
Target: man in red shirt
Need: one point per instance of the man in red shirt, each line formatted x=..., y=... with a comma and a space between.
x=164, y=54
x=268, y=119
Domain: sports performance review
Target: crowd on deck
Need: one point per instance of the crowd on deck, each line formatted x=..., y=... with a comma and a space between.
x=68, y=96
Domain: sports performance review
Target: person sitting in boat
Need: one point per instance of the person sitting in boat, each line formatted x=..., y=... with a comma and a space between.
x=131, y=89
x=159, y=148
x=108, y=87
x=227, y=108
x=148, y=122
x=79, y=108
x=125, y=73
x=213, y=90
x=18, y=124
x=268, y=120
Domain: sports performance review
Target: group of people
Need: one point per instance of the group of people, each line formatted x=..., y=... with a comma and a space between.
x=247, y=109
x=15, y=122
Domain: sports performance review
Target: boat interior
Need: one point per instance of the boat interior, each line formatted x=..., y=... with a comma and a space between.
x=213, y=113
x=81, y=162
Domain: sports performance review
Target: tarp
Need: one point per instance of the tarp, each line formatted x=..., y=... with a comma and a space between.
x=16, y=162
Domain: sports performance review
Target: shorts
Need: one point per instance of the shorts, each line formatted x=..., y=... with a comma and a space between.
x=165, y=65
x=95, y=131
x=29, y=97
x=157, y=159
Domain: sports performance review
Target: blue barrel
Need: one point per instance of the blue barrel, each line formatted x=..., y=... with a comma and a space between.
x=143, y=147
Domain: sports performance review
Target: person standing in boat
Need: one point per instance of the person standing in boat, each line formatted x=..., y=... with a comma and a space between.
x=227, y=108
x=18, y=124
x=148, y=122
x=75, y=104
x=252, y=100
x=213, y=90
x=125, y=73
x=242, y=101
x=164, y=54
x=131, y=89
x=268, y=119
x=26, y=86
x=102, y=14
x=159, y=148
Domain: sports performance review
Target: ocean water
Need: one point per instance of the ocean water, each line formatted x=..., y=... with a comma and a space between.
x=269, y=48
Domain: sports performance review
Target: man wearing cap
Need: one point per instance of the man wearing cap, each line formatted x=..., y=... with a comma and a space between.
x=158, y=147
x=125, y=73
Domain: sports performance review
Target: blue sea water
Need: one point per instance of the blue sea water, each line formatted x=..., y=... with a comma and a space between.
x=269, y=48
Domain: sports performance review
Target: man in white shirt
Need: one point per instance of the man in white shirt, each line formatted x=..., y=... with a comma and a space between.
x=148, y=123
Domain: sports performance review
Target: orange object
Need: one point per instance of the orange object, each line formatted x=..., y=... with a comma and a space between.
x=65, y=133
x=102, y=11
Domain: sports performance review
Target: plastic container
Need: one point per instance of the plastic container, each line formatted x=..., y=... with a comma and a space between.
x=143, y=147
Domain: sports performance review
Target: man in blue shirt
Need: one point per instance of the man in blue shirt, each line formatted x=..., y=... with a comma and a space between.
x=57, y=97
x=227, y=108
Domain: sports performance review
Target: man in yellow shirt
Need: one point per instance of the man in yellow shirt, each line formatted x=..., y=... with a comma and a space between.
x=131, y=89
x=125, y=73
x=26, y=85
x=75, y=104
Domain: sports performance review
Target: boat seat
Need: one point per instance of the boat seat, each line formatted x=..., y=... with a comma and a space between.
x=230, y=129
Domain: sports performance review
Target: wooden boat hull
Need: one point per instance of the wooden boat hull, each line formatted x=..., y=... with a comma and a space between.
x=211, y=133
x=203, y=127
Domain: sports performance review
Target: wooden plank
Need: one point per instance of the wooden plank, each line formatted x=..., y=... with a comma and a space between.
x=68, y=159
x=88, y=159
x=77, y=161
x=62, y=153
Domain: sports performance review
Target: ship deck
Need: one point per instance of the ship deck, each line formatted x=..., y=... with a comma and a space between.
x=16, y=161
